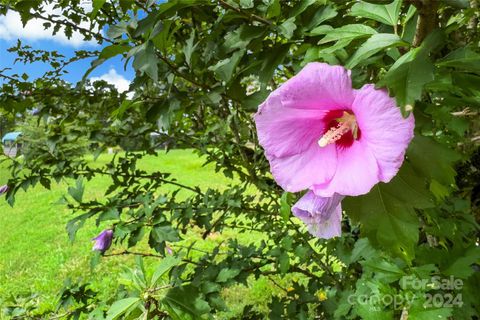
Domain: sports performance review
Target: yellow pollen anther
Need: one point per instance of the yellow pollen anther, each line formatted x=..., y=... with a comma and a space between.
x=346, y=123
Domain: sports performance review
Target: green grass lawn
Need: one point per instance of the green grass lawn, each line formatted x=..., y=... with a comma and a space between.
x=36, y=254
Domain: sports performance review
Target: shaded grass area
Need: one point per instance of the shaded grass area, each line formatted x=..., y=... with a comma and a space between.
x=36, y=254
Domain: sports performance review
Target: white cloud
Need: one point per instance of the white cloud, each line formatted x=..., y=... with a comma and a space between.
x=114, y=78
x=11, y=28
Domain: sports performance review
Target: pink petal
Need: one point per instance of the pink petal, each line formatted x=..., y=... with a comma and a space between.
x=323, y=216
x=317, y=86
x=300, y=171
x=285, y=131
x=384, y=130
x=356, y=174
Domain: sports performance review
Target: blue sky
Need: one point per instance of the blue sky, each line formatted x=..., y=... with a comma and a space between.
x=34, y=35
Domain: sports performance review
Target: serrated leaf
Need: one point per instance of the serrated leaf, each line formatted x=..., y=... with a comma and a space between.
x=241, y=37
x=146, y=60
x=77, y=192
x=165, y=233
x=462, y=267
x=409, y=74
x=224, y=69
x=463, y=58
x=407, y=77
x=387, y=14
x=387, y=212
x=432, y=159
x=374, y=44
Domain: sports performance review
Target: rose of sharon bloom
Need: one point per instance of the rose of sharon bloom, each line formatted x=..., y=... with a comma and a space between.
x=3, y=189
x=321, y=134
x=103, y=241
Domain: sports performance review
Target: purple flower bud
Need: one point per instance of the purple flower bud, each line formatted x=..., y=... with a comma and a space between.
x=103, y=241
x=322, y=215
x=169, y=250
x=3, y=189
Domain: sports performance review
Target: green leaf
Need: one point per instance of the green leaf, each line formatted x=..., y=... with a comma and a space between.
x=113, y=50
x=77, y=191
x=274, y=9
x=385, y=271
x=241, y=37
x=246, y=4
x=165, y=233
x=462, y=267
x=421, y=313
x=362, y=249
x=285, y=206
x=225, y=68
x=323, y=29
x=409, y=74
x=120, y=307
x=146, y=60
x=463, y=58
x=97, y=5
x=274, y=58
x=284, y=262
x=300, y=7
x=407, y=77
x=387, y=212
x=348, y=32
x=432, y=159
x=189, y=48
x=186, y=299
x=117, y=31
x=387, y=14
x=374, y=44
x=163, y=267
x=326, y=13
x=288, y=27
x=226, y=274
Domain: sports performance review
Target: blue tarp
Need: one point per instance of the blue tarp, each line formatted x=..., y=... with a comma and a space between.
x=11, y=136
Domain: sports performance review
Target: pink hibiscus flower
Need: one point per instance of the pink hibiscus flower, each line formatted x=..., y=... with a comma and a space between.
x=321, y=134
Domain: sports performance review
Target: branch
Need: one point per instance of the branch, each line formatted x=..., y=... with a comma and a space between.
x=427, y=19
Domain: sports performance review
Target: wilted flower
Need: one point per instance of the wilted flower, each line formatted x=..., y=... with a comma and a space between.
x=3, y=189
x=321, y=134
x=103, y=241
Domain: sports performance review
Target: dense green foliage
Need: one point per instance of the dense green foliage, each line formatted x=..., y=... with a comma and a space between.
x=194, y=90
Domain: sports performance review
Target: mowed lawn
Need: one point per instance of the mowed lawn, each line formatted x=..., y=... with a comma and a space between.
x=36, y=254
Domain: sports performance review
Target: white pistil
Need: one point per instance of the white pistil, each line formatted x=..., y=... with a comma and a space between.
x=346, y=123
